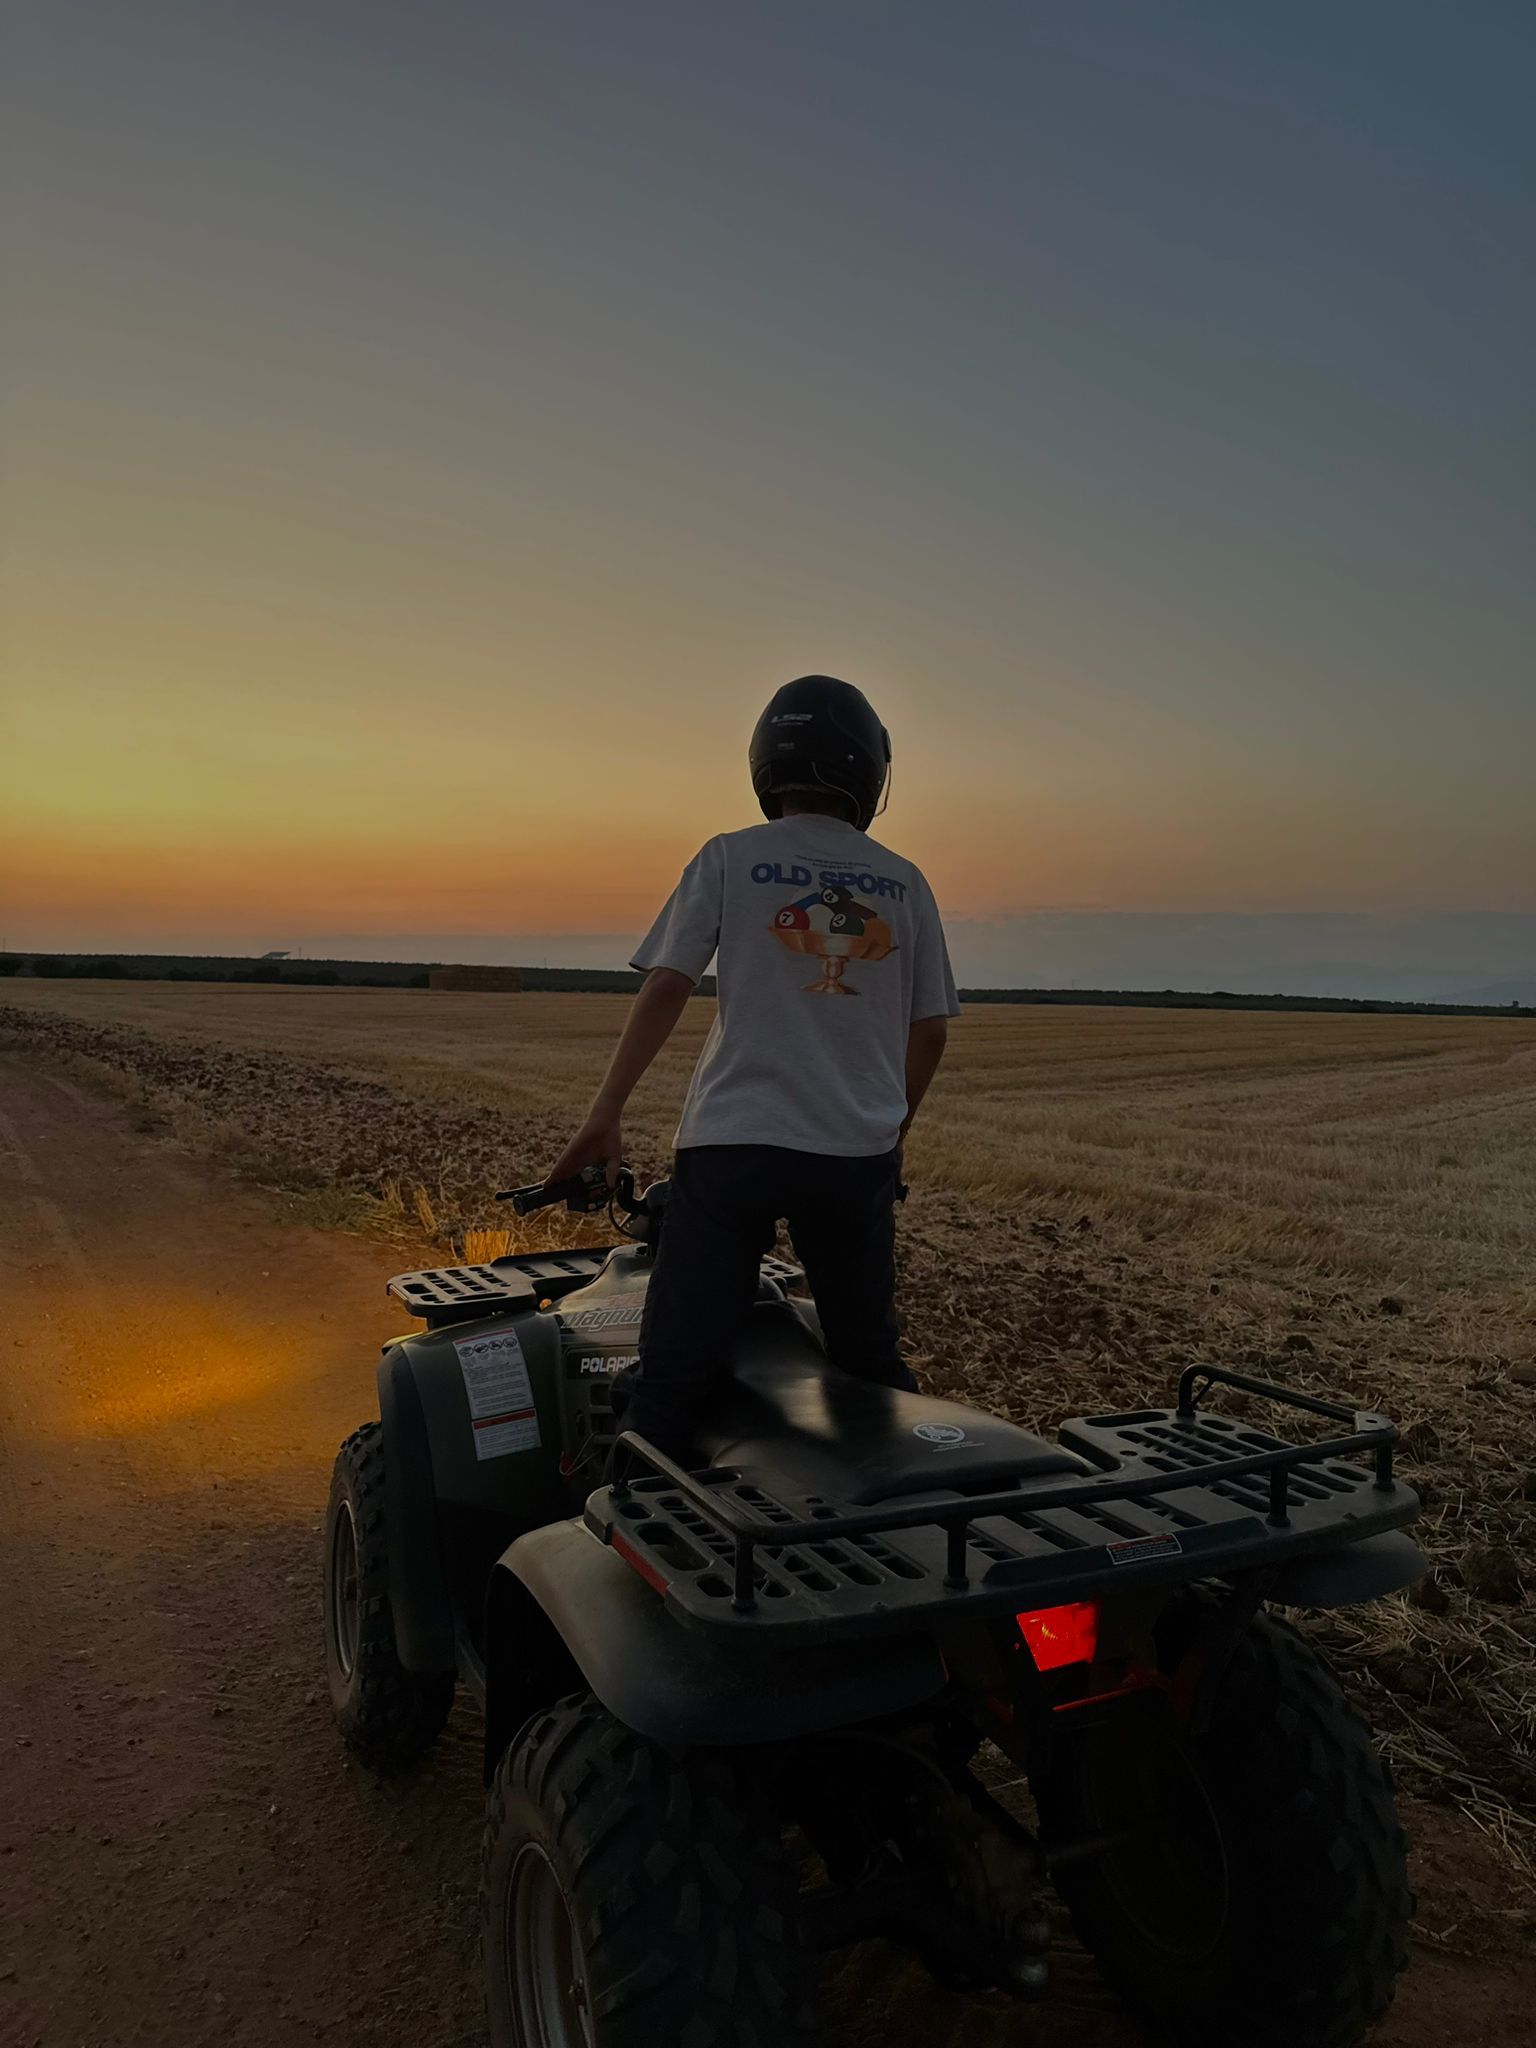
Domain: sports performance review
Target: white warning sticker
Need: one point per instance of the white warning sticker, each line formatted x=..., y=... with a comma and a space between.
x=501, y=1406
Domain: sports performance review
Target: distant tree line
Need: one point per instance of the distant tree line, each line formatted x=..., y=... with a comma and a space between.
x=1228, y=999
x=624, y=981
x=291, y=974
x=304, y=974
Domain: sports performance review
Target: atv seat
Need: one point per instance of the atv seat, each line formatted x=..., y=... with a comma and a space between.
x=787, y=1419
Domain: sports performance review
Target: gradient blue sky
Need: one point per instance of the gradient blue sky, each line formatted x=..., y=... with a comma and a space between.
x=431, y=431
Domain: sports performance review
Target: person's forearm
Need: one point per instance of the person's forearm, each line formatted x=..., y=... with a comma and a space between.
x=925, y=1048
x=652, y=1018
x=652, y=1015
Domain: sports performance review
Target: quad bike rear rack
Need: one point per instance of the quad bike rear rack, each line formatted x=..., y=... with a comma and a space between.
x=1180, y=1494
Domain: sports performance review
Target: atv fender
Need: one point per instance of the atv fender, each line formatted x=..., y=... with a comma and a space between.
x=563, y=1610
x=419, y=1600
x=1341, y=1578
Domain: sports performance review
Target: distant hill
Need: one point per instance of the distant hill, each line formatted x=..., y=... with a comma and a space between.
x=1500, y=994
x=1500, y=999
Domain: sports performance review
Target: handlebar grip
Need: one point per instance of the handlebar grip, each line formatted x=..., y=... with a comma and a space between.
x=526, y=1200
x=582, y=1192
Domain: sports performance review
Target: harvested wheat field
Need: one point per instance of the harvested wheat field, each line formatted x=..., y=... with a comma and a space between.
x=1099, y=1197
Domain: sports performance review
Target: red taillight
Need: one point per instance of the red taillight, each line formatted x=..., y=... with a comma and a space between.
x=1061, y=1635
x=637, y=1563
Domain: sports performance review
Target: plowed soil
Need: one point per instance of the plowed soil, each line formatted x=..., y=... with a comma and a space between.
x=185, y=1854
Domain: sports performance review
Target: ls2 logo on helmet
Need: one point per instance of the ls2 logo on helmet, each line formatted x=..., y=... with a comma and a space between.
x=939, y=1433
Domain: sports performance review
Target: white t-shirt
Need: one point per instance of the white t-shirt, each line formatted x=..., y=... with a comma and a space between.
x=830, y=948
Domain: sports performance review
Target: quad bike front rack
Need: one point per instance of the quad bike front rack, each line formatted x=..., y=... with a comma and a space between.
x=520, y=1281
x=1181, y=1493
x=455, y=1294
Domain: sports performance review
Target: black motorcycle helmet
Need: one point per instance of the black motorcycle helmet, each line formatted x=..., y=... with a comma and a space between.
x=819, y=733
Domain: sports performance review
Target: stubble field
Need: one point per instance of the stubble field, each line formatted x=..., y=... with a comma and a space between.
x=1099, y=1197
x=1367, y=1149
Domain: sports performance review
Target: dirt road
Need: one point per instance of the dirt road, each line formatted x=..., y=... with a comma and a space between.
x=185, y=1856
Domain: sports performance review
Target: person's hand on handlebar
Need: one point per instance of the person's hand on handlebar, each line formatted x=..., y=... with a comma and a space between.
x=599, y=1142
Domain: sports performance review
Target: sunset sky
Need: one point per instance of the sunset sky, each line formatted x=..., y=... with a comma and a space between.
x=432, y=431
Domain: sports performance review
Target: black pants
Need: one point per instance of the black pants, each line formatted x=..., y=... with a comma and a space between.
x=725, y=1206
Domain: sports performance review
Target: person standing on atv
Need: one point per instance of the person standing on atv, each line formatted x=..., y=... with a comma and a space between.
x=798, y=1105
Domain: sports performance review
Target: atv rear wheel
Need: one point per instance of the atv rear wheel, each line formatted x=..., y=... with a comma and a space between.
x=632, y=1897
x=1249, y=1882
x=388, y=1716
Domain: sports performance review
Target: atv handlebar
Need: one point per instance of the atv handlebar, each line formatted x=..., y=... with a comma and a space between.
x=583, y=1194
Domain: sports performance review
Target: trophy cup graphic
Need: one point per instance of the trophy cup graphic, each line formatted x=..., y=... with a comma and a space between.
x=832, y=927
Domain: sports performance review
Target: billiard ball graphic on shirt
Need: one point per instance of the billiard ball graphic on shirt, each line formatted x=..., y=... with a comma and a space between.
x=834, y=927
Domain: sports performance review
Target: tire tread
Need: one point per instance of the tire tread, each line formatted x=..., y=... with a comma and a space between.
x=682, y=1893
x=1308, y=1808
x=389, y=1717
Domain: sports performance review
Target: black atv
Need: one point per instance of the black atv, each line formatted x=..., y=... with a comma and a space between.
x=740, y=1717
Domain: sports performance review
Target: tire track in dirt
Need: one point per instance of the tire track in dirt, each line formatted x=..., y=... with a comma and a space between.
x=48, y=1212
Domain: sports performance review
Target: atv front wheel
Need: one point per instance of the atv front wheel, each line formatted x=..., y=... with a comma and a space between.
x=1246, y=1883
x=388, y=1716
x=632, y=1897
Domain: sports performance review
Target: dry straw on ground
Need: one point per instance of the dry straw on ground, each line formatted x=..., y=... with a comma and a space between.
x=1347, y=1203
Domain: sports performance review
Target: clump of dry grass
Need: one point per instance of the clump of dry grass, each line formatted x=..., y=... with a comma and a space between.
x=548, y=1230
x=477, y=1247
x=1444, y=1690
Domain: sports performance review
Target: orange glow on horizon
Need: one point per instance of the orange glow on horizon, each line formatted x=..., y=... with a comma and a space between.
x=251, y=886
x=70, y=885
